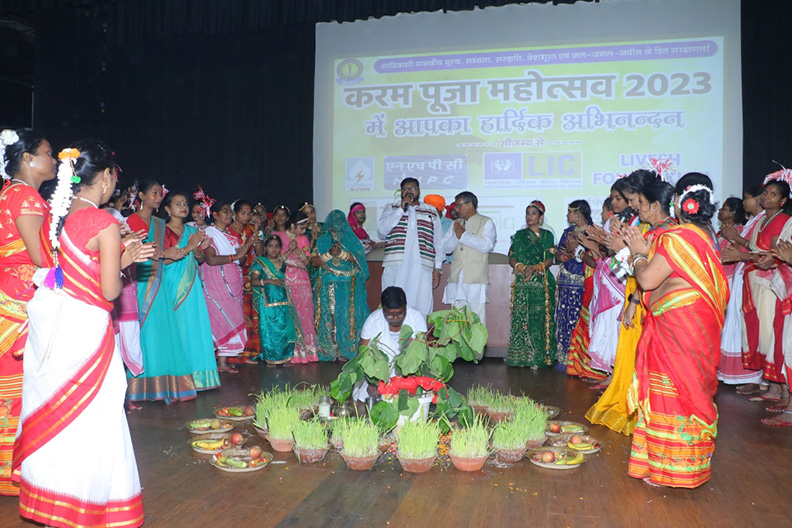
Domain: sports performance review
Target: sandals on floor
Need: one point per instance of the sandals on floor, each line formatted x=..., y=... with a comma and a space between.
x=763, y=398
x=775, y=422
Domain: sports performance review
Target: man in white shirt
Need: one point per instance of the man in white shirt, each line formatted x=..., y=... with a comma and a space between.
x=471, y=240
x=413, y=247
x=384, y=325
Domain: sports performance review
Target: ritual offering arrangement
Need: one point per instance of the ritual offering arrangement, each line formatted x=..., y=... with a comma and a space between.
x=210, y=425
x=555, y=427
x=579, y=442
x=211, y=443
x=238, y=460
x=556, y=458
x=236, y=413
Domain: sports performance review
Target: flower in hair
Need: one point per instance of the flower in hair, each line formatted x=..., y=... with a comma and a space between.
x=68, y=153
x=690, y=206
x=165, y=191
x=9, y=137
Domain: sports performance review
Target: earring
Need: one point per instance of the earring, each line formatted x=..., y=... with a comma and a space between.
x=32, y=163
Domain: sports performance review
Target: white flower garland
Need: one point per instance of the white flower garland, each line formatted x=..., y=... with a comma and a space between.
x=61, y=199
x=697, y=187
x=7, y=137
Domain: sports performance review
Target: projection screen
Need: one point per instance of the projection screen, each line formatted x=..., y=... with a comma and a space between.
x=526, y=102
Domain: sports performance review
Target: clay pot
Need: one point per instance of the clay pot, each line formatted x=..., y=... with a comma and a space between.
x=261, y=432
x=468, y=464
x=337, y=443
x=419, y=465
x=533, y=444
x=360, y=464
x=479, y=409
x=510, y=456
x=384, y=444
x=498, y=416
x=310, y=456
x=280, y=445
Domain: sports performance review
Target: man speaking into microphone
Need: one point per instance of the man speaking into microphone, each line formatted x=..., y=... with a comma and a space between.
x=413, y=246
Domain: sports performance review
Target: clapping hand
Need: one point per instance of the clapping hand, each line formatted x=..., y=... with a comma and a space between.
x=783, y=251
x=730, y=254
x=635, y=240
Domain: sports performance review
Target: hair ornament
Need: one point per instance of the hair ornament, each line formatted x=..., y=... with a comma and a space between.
x=784, y=175
x=694, y=188
x=133, y=196
x=690, y=206
x=662, y=167
x=7, y=137
x=304, y=205
x=205, y=202
x=538, y=205
x=165, y=191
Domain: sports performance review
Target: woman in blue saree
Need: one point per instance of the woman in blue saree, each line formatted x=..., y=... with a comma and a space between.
x=182, y=280
x=341, y=307
x=167, y=373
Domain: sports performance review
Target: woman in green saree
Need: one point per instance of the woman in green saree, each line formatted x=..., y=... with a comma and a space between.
x=271, y=301
x=341, y=307
x=532, y=342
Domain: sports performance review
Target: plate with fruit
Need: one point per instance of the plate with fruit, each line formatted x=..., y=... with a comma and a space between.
x=579, y=442
x=210, y=425
x=238, y=460
x=211, y=443
x=556, y=427
x=236, y=413
x=556, y=458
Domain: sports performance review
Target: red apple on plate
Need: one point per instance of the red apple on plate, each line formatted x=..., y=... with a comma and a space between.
x=249, y=411
x=575, y=439
x=548, y=457
x=555, y=428
x=255, y=452
x=237, y=439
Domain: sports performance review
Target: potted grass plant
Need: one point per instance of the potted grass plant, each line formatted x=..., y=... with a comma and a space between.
x=276, y=397
x=360, y=438
x=310, y=440
x=470, y=446
x=509, y=440
x=500, y=407
x=417, y=446
x=280, y=427
x=532, y=419
x=479, y=397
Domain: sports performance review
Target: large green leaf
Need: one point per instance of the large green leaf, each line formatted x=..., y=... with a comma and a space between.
x=405, y=333
x=450, y=351
x=337, y=393
x=406, y=404
x=375, y=365
x=385, y=415
x=409, y=362
x=478, y=339
x=436, y=318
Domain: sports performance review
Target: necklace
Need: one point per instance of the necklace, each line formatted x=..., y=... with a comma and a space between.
x=87, y=201
x=767, y=220
x=20, y=181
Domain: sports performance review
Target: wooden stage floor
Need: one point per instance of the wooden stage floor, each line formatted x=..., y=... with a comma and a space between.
x=751, y=483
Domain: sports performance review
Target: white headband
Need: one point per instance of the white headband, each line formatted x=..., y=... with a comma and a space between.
x=694, y=188
x=7, y=137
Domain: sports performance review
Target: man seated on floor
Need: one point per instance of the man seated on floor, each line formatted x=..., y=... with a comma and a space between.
x=384, y=325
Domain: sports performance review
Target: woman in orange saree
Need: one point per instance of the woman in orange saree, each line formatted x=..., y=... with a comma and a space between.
x=677, y=359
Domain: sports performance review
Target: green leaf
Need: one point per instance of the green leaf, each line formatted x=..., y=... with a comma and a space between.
x=409, y=361
x=450, y=351
x=375, y=365
x=436, y=318
x=338, y=394
x=478, y=339
x=438, y=366
x=384, y=415
x=405, y=333
x=465, y=352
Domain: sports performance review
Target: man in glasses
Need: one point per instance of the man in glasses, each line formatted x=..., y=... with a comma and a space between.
x=413, y=246
x=384, y=326
x=471, y=239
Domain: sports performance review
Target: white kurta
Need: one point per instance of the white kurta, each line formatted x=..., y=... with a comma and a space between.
x=461, y=293
x=388, y=342
x=409, y=274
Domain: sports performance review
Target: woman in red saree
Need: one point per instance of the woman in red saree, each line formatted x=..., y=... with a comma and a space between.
x=74, y=382
x=27, y=158
x=242, y=229
x=677, y=358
